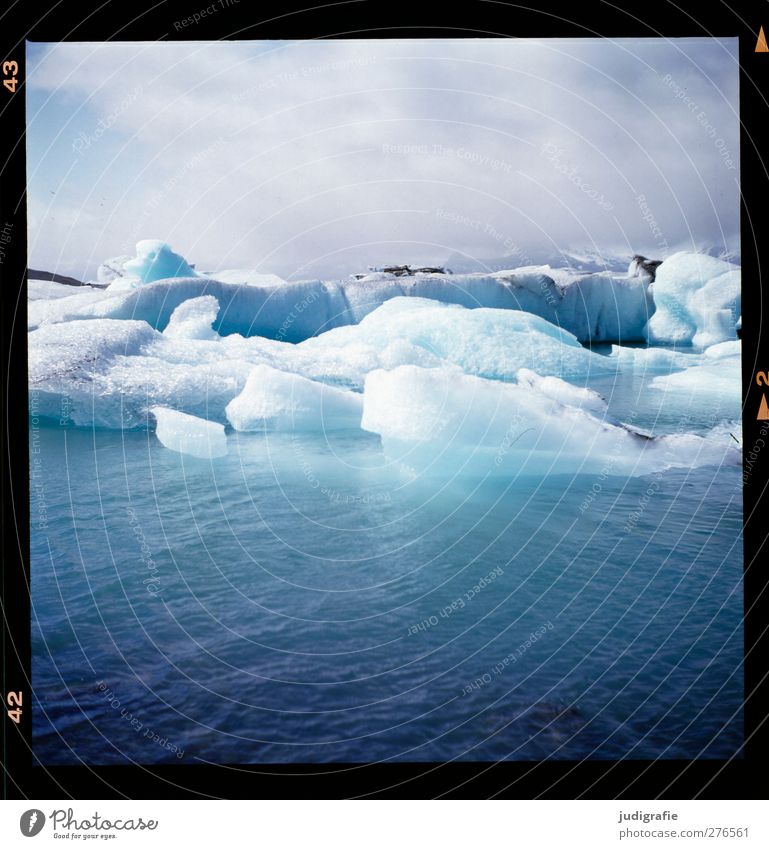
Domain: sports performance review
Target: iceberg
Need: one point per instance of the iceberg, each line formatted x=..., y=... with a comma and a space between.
x=111, y=371
x=603, y=306
x=189, y=434
x=263, y=353
x=154, y=260
x=277, y=400
x=442, y=422
x=697, y=300
x=492, y=343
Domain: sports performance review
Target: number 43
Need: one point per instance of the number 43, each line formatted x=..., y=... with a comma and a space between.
x=10, y=68
x=14, y=701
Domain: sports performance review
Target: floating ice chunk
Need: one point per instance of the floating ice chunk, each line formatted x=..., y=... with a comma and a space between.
x=109, y=381
x=189, y=434
x=593, y=307
x=720, y=381
x=491, y=343
x=155, y=260
x=723, y=350
x=193, y=319
x=438, y=421
x=715, y=381
x=290, y=312
x=697, y=299
x=559, y=390
x=276, y=400
x=652, y=359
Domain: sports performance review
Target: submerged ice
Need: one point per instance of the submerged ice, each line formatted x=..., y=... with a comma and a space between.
x=277, y=400
x=438, y=421
x=189, y=434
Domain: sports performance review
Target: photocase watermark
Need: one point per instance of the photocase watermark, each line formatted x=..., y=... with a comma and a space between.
x=65, y=409
x=294, y=313
x=198, y=16
x=458, y=604
x=155, y=202
x=84, y=140
x=616, y=453
x=512, y=435
x=702, y=119
x=335, y=496
x=5, y=239
x=31, y=822
x=484, y=227
x=285, y=78
x=751, y=456
x=643, y=501
x=684, y=425
x=555, y=154
x=648, y=217
x=67, y=822
x=133, y=722
x=152, y=581
x=463, y=153
x=38, y=505
x=517, y=256
x=509, y=660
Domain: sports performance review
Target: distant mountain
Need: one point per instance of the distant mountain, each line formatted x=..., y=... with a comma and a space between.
x=587, y=260
x=584, y=259
x=34, y=274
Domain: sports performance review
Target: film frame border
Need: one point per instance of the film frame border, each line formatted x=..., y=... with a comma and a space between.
x=22, y=777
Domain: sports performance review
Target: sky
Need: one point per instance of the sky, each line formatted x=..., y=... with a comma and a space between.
x=322, y=158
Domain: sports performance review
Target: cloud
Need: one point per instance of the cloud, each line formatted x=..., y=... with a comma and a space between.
x=310, y=158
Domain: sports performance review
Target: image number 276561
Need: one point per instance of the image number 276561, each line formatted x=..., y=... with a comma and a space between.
x=11, y=68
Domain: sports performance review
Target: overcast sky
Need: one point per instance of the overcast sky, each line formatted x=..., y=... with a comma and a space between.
x=317, y=158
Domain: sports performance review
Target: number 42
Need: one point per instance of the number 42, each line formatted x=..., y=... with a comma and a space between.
x=14, y=701
x=10, y=68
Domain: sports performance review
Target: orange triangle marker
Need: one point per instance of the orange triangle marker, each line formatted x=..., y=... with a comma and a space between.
x=761, y=43
x=763, y=410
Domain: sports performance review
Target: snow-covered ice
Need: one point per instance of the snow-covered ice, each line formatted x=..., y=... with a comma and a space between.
x=189, y=434
x=246, y=277
x=193, y=319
